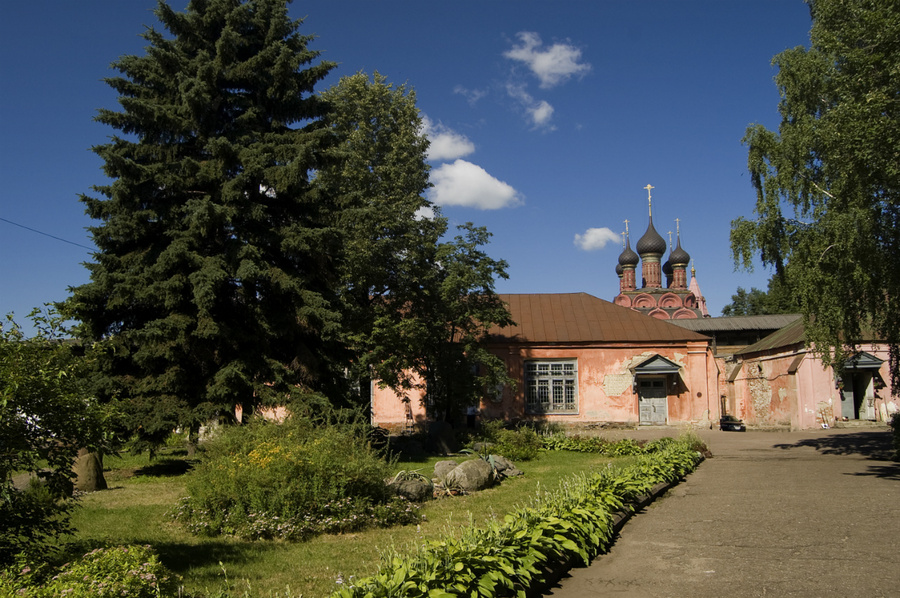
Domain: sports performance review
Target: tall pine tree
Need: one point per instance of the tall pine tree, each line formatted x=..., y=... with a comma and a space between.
x=213, y=284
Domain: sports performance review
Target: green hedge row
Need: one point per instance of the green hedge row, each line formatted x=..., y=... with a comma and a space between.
x=530, y=546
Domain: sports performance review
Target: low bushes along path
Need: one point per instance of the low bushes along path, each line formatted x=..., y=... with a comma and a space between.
x=813, y=513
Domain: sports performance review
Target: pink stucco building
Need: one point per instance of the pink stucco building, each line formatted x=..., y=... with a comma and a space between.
x=579, y=360
x=778, y=381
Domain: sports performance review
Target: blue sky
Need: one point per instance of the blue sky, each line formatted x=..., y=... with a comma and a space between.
x=547, y=121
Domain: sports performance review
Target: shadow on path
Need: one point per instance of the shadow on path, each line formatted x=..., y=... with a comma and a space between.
x=889, y=471
x=875, y=445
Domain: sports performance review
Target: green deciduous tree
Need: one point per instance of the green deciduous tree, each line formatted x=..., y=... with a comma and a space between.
x=778, y=299
x=457, y=309
x=214, y=280
x=46, y=416
x=828, y=181
x=746, y=303
x=415, y=307
x=379, y=175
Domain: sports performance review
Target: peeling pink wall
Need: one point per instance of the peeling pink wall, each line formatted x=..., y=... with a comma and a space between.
x=396, y=412
x=767, y=394
x=605, y=386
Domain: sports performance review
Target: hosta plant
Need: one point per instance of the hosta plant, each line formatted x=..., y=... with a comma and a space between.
x=509, y=557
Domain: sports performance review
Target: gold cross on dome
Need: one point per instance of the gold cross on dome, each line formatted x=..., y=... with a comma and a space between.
x=649, y=198
x=678, y=226
x=626, y=227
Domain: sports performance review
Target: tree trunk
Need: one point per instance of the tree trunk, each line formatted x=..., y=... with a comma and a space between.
x=193, y=439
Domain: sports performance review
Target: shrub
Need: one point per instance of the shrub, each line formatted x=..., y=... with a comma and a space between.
x=133, y=571
x=518, y=444
x=594, y=444
x=290, y=480
x=46, y=416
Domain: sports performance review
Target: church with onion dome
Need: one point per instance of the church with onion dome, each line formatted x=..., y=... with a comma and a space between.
x=672, y=299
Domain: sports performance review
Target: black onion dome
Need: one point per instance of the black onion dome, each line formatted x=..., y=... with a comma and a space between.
x=651, y=242
x=628, y=257
x=667, y=267
x=619, y=270
x=679, y=256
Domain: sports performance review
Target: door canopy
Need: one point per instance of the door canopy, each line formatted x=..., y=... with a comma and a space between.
x=863, y=361
x=657, y=365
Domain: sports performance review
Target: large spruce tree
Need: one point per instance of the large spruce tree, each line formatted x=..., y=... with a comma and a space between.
x=213, y=284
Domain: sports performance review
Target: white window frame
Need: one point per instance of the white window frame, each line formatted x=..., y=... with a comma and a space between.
x=551, y=386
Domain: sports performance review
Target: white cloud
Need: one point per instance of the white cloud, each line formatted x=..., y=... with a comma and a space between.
x=596, y=238
x=539, y=113
x=465, y=184
x=552, y=65
x=445, y=143
x=472, y=95
x=425, y=213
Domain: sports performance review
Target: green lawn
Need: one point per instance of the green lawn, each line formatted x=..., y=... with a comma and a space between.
x=134, y=511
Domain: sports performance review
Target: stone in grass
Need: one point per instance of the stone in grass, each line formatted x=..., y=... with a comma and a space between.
x=471, y=476
x=442, y=468
x=504, y=467
x=415, y=490
x=88, y=472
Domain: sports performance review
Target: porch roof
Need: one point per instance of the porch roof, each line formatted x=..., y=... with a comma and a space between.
x=792, y=334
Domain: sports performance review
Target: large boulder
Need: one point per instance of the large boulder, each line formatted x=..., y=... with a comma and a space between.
x=88, y=472
x=471, y=476
x=504, y=467
x=415, y=490
x=442, y=468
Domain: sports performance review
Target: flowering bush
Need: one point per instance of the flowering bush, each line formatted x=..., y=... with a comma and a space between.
x=292, y=481
x=340, y=516
x=132, y=571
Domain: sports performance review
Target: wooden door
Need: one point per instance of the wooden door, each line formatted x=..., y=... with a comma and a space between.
x=848, y=408
x=652, y=401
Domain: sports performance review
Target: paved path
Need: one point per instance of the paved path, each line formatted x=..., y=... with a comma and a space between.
x=813, y=513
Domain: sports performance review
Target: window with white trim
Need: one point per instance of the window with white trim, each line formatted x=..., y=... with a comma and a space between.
x=551, y=386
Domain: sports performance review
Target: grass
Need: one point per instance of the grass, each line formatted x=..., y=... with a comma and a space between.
x=134, y=510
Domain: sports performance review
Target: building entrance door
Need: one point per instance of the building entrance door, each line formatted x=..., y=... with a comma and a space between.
x=652, y=401
x=857, y=396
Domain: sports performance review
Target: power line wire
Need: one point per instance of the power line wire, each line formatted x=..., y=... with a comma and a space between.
x=48, y=235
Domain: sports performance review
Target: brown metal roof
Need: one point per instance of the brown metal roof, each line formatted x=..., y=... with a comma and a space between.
x=582, y=318
x=729, y=323
x=792, y=334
